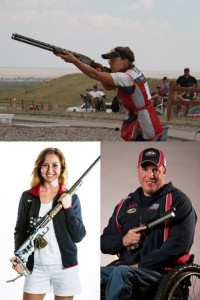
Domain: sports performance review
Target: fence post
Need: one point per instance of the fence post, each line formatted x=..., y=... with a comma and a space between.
x=170, y=100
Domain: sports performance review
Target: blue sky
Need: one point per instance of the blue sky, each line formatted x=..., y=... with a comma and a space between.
x=163, y=34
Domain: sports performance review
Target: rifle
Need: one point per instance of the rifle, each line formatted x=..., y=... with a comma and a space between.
x=36, y=239
x=58, y=50
x=154, y=222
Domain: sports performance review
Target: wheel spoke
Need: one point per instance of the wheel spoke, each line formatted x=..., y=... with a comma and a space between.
x=186, y=288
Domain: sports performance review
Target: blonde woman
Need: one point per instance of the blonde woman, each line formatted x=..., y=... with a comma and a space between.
x=55, y=266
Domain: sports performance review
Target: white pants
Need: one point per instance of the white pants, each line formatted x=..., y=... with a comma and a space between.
x=65, y=282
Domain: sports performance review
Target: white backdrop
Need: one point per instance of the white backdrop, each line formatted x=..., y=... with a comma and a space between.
x=17, y=161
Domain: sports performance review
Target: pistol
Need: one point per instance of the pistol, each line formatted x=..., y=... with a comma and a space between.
x=154, y=222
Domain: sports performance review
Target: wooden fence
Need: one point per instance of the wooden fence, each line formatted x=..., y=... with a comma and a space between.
x=174, y=100
x=22, y=104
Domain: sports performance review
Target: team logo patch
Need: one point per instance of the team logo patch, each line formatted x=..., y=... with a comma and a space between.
x=132, y=205
x=131, y=210
x=155, y=206
x=150, y=154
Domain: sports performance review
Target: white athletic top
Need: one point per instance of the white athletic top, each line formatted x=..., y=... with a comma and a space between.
x=96, y=94
x=49, y=255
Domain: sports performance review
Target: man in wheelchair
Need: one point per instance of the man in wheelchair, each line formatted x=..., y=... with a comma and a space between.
x=145, y=254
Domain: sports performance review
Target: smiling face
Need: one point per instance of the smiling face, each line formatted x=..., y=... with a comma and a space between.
x=51, y=168
x=151, y=178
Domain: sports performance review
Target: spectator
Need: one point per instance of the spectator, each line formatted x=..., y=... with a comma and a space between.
x=95, y=96
x=13, y=102
x=161, y=92
x=34, y=107
x=187, y=80
x=165, y=86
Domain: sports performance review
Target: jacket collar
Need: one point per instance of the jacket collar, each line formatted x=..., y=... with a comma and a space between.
x=36, y=190
x=167, y=188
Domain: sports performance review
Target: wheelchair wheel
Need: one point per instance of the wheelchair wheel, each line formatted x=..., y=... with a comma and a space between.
x=182, y=283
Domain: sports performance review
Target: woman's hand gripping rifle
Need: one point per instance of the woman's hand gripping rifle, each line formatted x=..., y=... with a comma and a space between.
x=36, y=239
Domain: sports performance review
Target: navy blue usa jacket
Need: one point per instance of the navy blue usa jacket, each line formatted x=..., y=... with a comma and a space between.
x=68, y=225
x=154, y=253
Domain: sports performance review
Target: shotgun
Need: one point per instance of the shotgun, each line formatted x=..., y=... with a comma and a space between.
x=58, y=50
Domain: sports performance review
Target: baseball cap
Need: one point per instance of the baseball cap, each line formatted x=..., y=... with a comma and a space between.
x=123, y=52
x=153, y=156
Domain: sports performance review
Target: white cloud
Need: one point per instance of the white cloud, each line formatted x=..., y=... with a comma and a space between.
x=154, y=24
x=141, y=4
x=115, y=24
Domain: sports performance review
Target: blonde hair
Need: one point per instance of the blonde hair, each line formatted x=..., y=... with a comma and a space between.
x=36, y=174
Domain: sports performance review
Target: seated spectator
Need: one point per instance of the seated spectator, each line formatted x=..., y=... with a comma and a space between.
x=34, y=107
x=187, y=80
x=161, y=92
x=85, y=99
x=95, y=95
x=165, y=86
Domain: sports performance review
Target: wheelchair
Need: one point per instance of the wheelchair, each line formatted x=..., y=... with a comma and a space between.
x=180, y=283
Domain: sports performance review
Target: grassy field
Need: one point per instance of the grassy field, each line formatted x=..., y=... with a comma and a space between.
x=62, y=92
x=65, y=91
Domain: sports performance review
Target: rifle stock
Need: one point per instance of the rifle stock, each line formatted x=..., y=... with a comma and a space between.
x=40, y=229
x=58, y=50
